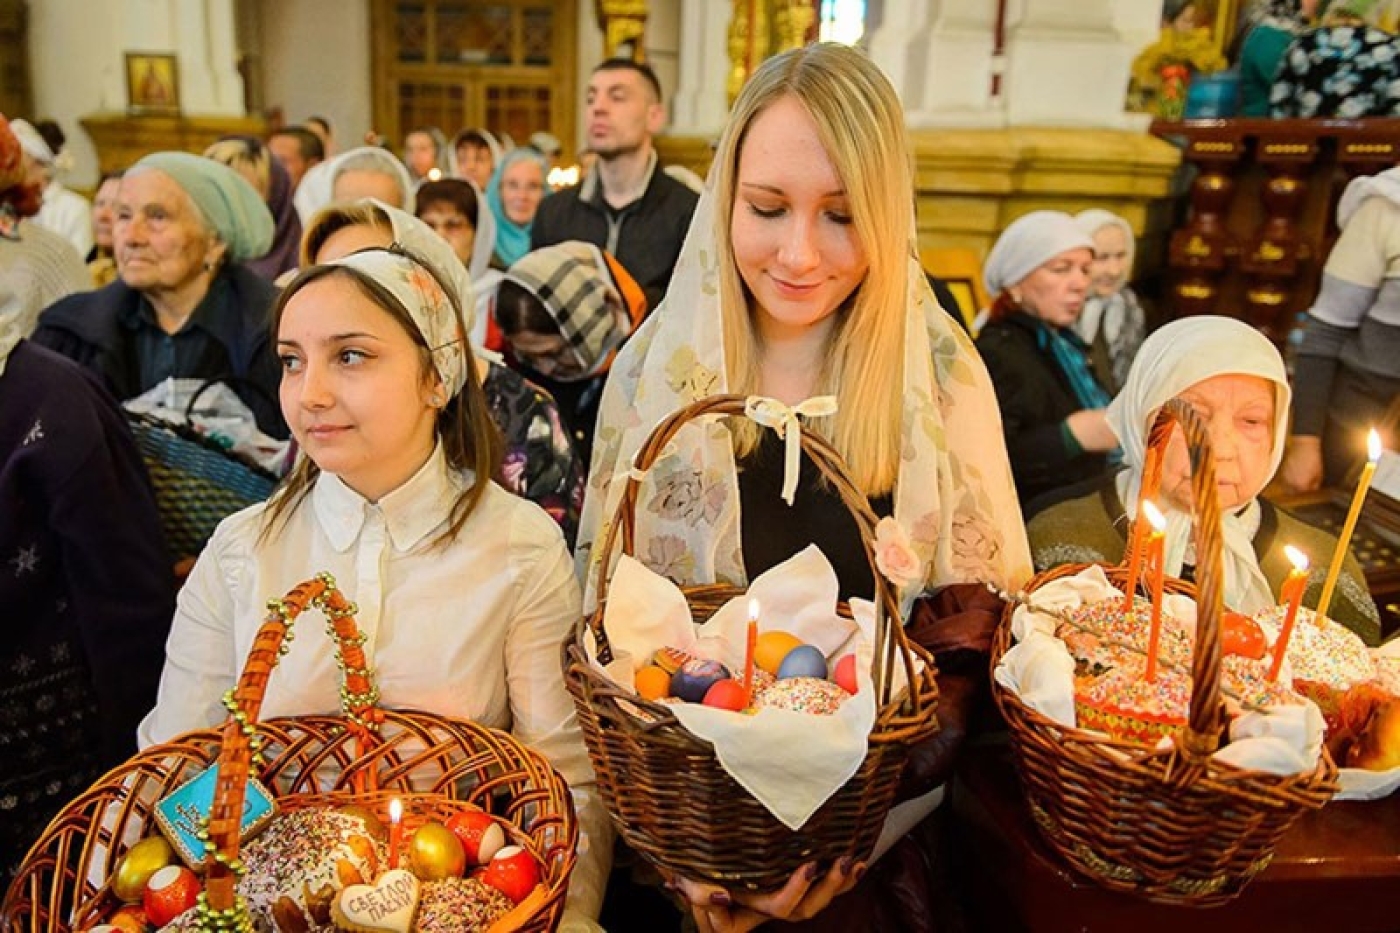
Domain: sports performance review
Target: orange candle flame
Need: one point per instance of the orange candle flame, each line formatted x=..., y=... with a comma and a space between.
x=395, y=831
x=1156, y=562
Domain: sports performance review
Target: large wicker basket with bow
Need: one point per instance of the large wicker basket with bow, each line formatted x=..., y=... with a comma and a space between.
x=667, y=793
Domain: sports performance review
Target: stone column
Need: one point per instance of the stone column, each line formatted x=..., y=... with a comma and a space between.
x=698, y=107
x=1067, y=66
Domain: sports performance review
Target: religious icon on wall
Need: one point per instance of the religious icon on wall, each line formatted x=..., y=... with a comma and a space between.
x=152, y=83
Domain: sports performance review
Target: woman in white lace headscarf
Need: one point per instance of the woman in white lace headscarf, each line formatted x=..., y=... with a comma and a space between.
x=799, y=281
x=1234, y=377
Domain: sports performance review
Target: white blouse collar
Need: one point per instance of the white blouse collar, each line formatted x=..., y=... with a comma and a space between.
x=410, y=512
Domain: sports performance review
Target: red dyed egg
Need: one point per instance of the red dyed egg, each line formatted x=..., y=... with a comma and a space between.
x=727, y=694
x=170, y=892
x=844, y=673
x=513, y=872
x=1239, y=634
x=481, y=836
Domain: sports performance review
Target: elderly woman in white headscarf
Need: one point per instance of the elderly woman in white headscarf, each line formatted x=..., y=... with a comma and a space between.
x=365, y=172
x=186, y=305
x=1051, y=403
x=1234, y=378
x=1112, y=323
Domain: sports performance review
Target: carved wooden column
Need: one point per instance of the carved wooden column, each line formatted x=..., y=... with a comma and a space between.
x=1199, y=251
x=1273, y=258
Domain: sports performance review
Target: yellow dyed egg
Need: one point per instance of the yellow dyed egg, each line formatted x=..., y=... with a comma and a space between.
x=772, y=647
x=141, y=861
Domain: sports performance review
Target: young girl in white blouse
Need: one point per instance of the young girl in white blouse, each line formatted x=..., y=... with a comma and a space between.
x=465, y=592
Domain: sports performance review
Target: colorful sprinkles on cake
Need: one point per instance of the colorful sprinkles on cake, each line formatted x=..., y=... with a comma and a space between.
x=459, y=905
x=1330, y=653
x=1105, y=620
x=803, y=695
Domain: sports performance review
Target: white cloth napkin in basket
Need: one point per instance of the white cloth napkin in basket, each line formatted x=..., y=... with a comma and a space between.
x=790, y=762
x=1039, y=669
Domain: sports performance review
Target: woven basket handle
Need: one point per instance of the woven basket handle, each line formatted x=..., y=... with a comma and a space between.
x=1202, y=736
x=358, y=699
x=891, y=644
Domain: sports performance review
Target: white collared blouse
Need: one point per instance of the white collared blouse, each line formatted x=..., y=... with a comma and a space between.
x=470, y=630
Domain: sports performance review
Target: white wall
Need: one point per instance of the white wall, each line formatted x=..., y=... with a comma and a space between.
x=316, y=60
x=76, y=52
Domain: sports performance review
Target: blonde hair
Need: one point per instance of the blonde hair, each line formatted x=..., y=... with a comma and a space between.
x=247, y=157
x=331, y=220
x=861, y=126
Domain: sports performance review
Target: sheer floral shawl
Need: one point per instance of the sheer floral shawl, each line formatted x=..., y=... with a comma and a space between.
x=954, y=494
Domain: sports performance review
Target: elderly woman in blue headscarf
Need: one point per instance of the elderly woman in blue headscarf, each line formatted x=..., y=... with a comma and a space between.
x=185, y=305
x=519, y=184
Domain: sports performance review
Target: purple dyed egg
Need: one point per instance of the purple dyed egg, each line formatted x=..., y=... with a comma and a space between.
x=803, y=661
x=693, y=679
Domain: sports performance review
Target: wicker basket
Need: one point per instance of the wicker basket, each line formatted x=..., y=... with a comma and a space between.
x=669, y=796
x=1175, y=826
x=366, y=756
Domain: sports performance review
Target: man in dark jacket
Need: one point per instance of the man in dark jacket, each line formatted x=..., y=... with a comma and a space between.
x=625, y=205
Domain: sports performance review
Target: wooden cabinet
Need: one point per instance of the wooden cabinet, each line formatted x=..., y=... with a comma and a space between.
x=506, y=65
x=16, y=95
x=121, y=138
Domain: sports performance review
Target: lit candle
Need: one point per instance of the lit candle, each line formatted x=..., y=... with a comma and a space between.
x=395, y=831
x=1156, y=564
x=1291, y=595
x=750, y=647
x=1373, y=450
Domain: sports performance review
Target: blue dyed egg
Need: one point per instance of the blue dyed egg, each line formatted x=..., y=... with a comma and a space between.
x=803, y=661
x=693, y=679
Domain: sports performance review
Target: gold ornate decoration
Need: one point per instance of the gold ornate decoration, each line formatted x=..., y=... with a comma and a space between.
x=623, y=21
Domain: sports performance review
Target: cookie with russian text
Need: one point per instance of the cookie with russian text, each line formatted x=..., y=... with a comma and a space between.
x=389, y=905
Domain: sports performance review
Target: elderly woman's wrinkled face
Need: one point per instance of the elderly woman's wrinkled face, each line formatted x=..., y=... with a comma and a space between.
x=522, y=190
x=1239, y=414
x=1110, y=269
x=161, y=241
x=1055, y=291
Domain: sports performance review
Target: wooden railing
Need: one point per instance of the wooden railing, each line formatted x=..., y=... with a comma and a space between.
x=1261, y=211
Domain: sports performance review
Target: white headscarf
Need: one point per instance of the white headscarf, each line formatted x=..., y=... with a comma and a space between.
x=427, y=302
x=953, y=496
x=1087, y=325
x=317, y=188
x=1384, y=185
x=1176, y=357
x=1029, y=242
x=10, y=330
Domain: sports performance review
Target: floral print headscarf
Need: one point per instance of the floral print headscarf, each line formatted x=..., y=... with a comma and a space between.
x=954, y=494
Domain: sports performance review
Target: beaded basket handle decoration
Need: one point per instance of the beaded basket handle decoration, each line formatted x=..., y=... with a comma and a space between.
x=220, y=908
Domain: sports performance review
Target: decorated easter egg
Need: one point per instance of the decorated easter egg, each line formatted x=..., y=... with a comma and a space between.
x=1239, y=634
x=129, y=919
x=772, y=647
x=727, y=694
x=803, y=661
x=435, y=852
x=170, y=892
x=141, y=861
x=844, y=673
x=512, y=871
x=480, y=835
x=695, y=678
x=652, y=682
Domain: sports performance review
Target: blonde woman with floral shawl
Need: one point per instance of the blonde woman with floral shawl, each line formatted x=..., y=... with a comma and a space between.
x=799, y=281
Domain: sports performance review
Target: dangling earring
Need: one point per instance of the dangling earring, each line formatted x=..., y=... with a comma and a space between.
x=1016, y=297
x=437, y=401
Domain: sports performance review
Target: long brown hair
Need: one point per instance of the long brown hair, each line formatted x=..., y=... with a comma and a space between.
x=471, y=442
